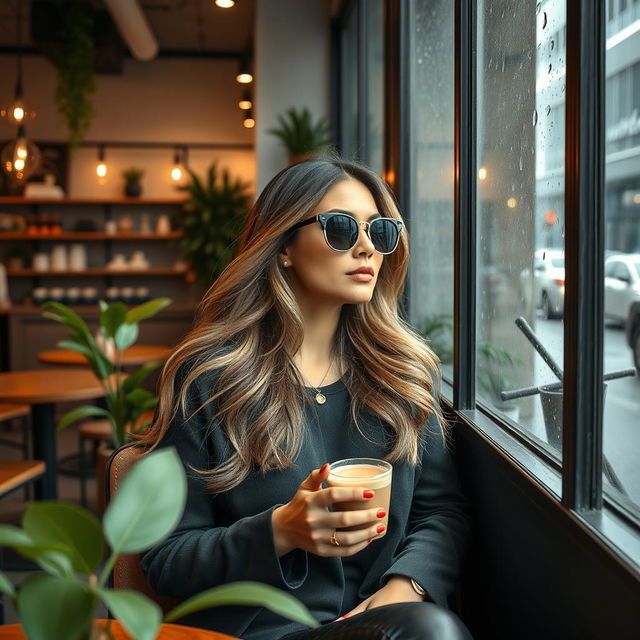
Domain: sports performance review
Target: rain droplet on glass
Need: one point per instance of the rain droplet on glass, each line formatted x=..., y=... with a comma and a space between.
x=553, y=44
x=535, y=117
x=544, y=19
x=538, y=7
x=548, y=109
x=549, y=69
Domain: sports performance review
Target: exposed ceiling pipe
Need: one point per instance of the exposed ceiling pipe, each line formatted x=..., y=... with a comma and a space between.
x=134, y=28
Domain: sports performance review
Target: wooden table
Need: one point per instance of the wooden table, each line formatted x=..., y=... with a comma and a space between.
x=41, y=389
x=136, y=355
x=167, y=632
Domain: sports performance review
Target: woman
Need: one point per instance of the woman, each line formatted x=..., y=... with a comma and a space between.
x=299, y=358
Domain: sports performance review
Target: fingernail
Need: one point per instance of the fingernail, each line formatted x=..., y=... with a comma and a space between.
x=324, y=467
x=369, y=540
x=381, y=513
x=367, y=493
x=381, y=528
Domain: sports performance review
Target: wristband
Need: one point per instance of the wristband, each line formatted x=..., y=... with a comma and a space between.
x=418, y=589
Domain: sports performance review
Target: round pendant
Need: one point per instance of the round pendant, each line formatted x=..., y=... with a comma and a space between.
x=320, y=398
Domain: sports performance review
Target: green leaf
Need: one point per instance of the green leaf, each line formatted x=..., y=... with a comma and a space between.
x=81, y=412
x=246, y=593
x=126, y=335
x=68, y=525
x=111, y=318
x=54, y=607
x=6, y=587
x=146, y=310
x=76, y=346
x=139, y=615
x=148, y=504
x=136, y=378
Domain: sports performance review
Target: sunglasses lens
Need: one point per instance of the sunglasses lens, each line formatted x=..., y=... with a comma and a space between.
x=341, y=232
x=384, y=235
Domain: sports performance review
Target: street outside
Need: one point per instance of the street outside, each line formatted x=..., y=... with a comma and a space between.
x=622, y=402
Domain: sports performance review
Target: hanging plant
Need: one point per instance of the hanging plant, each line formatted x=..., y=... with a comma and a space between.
x=74, y=59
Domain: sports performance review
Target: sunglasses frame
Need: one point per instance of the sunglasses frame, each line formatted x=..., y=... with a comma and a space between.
x=322, y=218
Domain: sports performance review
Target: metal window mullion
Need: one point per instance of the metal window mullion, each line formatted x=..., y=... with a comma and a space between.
x=464, y=333
x=363, y=80
x=584, y=256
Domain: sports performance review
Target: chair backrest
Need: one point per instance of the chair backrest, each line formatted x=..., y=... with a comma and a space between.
x=127, y=572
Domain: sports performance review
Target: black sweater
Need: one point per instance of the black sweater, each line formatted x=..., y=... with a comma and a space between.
x=228, y=537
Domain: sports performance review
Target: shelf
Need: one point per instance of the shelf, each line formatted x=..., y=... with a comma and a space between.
x=90, y=235
x=154, y=271
x=91, y=201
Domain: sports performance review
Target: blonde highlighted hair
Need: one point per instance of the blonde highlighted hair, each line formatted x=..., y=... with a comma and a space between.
x=249, y=327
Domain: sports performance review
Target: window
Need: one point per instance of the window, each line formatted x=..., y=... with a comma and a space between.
x=349, y=86
x=431, y=205
x=375, y=84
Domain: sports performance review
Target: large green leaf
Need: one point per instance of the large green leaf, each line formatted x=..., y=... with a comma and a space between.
x=6, y=587
x=126, y=335
x=54, y=607
x=81, y=412
x=69, y=525
x=139, y=615
x=136, y=378
x=52, y=557
x=111, y=318
x=147, y=309
x=246, y=593
x=148, y=504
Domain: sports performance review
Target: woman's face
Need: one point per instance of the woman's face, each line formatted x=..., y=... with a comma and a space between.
x=320, y=275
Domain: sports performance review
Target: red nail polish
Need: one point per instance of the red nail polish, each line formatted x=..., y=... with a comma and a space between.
x=367, y=493
x=381, y=513
x=369, y=540
x=324, y=467
x=381, y=528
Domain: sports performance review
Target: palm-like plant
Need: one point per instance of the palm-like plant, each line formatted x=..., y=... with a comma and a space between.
x=126, y=400
x=300, y=135
x=211, y=221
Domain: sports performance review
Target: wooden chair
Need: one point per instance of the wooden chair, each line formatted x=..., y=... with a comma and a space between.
x=96, y=431
x=22, y=412
x=127, y=572
x=13, y=475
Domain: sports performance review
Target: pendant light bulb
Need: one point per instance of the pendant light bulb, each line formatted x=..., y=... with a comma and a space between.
x=176, y=171
x=101, y=167
x=248, y=121
x=20, y=157
x=245, y=102
x=244, y=71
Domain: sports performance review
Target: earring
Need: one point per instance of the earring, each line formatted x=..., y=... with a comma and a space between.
x=285, y=263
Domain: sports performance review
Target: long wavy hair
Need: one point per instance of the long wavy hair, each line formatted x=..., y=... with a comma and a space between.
x=249, y=327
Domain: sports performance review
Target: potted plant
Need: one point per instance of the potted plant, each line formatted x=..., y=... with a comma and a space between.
x=127, y=402
x=73, y=55
x=302, y=137
x=211, y=221
x=68, y=544
x=132, y=186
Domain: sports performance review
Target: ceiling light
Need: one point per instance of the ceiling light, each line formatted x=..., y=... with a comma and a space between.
x=101, y=167
x=20, y=157
x=244, y=71
x=248, y=121
x=176, y=171
x=482, y=173
x=225, y=4
x=245, y=102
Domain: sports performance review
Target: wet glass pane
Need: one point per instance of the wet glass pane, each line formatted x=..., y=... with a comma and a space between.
x=431, y=211
x=520, y=205
x=349, y=89
x=622, y=254
x=375, y=84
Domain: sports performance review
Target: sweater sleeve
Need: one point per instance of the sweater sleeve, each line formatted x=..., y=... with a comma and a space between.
x=200, y=553
x=439, y=523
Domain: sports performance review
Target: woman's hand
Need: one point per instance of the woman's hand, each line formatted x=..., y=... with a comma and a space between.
x=397, y=589
x=306, y=523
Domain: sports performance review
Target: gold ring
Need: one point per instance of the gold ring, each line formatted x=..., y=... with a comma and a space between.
x=333, y=540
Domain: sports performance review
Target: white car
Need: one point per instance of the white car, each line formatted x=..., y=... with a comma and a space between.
x=621, y=285
x=547, y=287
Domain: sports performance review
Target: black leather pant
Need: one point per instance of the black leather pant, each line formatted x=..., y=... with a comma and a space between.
x=404, y=621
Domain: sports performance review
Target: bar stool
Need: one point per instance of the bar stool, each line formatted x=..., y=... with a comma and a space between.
x=97, y=431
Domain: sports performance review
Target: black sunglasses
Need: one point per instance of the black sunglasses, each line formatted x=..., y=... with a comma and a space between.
x=341, y=231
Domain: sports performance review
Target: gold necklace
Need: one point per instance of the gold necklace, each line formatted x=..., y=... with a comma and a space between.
x=320, y=397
